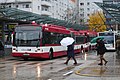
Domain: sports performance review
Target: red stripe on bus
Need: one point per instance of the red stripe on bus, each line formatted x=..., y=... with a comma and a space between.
x=41, y=55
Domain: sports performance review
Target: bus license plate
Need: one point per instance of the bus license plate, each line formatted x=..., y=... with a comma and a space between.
x=26, y=54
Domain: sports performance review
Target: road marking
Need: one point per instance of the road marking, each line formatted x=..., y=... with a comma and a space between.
x=70, y=72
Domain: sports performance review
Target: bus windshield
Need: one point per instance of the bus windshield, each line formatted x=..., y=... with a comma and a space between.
x=27, y=36
x=108, y=37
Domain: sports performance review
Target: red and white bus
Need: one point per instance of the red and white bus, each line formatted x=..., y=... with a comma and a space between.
x=92, y=34
x=43, y=41
x=87, y=36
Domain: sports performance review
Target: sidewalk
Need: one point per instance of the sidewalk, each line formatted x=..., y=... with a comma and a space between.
x=90, y=70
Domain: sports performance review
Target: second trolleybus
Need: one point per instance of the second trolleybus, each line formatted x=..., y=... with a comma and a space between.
x=109, y=39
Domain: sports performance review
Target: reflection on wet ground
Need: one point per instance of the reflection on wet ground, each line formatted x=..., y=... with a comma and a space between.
x=13, y=69
x=112, y=69
x=103, y=71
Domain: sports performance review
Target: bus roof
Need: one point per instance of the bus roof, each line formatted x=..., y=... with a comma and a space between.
x=56, y=29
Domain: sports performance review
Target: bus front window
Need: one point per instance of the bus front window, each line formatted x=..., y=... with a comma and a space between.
x=109, y=39
x=27, y=35
x=27, y=38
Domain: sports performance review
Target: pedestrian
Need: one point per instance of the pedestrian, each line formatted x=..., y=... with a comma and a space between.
x=82, y=49
x=118, y=45
x=70, y=54
x=101, y=49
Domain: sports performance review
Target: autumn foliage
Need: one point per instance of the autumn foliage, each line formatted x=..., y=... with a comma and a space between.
x=97, y=22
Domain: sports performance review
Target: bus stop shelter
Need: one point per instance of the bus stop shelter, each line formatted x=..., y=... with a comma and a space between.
x=17, y=14
x=113, y=10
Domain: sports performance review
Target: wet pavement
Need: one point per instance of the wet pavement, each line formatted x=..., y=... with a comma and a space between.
x=112, y=69
x=86, y=69
x=95, y=72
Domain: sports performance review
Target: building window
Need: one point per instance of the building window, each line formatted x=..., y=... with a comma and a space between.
x=81, y=20
x=9, y=6
x=88, y=14
x=82, y=15
x=81, y=4
x=44, y=8
x=17, y=6
x=88, y=3
x=88, y=9
x=27, y=6
x=81, y=9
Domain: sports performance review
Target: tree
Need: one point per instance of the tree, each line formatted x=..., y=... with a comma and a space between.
x=97, y=22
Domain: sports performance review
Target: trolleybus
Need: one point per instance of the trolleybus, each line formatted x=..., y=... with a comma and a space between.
x=43, y=41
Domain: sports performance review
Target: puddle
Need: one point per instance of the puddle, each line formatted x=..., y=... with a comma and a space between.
x=99, y=71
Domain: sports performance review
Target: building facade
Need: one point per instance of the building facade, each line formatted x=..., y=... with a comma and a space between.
x=86, y=8
x=52, y=8
x=71, y=10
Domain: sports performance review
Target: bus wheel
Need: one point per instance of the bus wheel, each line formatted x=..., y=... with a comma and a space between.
x=25, y=59
x=51, y=53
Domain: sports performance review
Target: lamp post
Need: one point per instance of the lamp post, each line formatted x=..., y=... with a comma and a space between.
x=116, y=26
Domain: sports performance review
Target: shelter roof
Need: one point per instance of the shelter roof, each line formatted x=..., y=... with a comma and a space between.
x=112, y=9
x=17, y=14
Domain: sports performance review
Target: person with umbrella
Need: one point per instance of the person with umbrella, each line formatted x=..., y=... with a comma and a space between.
x=69, y=43
x=101, y=49
x=70, y=54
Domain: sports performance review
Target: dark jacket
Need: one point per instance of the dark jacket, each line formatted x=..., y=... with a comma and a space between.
x=70, y=51
x=101, y=49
